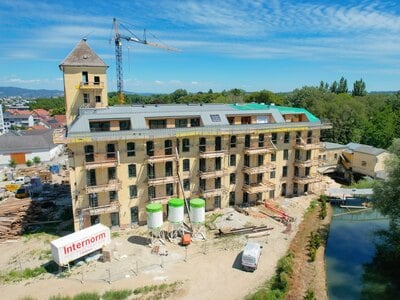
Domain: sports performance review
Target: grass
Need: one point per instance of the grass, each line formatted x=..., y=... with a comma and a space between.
x=210, y=219
x=277, y=287
x=312, y=206
x=117, y=294
x=160, y=291
x=15, y=276
x=39, y=236
x=115, y=234
x=87, y=296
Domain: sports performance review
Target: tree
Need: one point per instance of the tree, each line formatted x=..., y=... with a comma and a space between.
x=29, y=163
x=359, y=88
x=334, y=87
x=342, y=88
x=12, y=163
x=36, y=160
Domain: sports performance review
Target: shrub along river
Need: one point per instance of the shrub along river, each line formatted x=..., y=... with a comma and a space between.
x=350, y=247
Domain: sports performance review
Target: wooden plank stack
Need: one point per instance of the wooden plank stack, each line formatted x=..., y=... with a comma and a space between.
x=14, y=213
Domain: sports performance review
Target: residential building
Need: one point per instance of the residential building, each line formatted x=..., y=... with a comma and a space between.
x=329, y=157
x=17, y=121
x=2, y=128
x=123, y=157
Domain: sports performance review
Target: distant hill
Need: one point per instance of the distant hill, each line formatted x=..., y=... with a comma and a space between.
x=27, y=93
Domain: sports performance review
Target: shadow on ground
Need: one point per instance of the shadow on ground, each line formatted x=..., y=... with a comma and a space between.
x=139, y=240
x=237, y=264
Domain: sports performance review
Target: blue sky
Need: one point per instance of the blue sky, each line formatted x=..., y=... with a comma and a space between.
x=251, y=45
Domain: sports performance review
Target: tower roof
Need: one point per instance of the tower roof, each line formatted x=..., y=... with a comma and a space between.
x=83, y=56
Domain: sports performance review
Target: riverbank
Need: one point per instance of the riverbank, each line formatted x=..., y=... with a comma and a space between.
x=309, y=275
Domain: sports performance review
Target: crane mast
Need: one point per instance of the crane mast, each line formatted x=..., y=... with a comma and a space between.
x=118, y=55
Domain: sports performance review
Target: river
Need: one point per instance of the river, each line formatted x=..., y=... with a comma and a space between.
x=350, y=245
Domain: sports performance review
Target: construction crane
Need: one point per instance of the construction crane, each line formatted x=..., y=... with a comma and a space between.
x=118, y=54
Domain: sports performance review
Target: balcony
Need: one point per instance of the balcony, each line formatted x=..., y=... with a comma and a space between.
x=212, y=153
x=162, y=199
x=91, y=85
x=254, y=188
x=309, y=145
x=307, y=179
x=211, y=192
x=306, y=163
x=211, y=174
x=162, y=180
x=259, y=169
x=100, y=210
x=161, y=157
x=255, y=149
x=101, y=160
x=112, y=185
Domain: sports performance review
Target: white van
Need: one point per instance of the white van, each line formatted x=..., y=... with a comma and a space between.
x=22, y=180
x=251, y=255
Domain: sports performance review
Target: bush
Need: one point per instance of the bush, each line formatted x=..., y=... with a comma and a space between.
x=322, y=213
x=309, y=295
x=29, y=163
x=87, y=296
x=116, y=294
x=59, y=297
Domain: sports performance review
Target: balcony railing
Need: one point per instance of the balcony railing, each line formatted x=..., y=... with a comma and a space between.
x=91, y=85
x=211, y=174
x=256, y=149
x=100, y=210
x=161, y=199
x=212, y=192
x=306, y=163
x=307, y=179
x=162, y=180
x=309, y=145
x=260, y=187
x=259, y=169
x=212, y=153
x=112, y=185
x=101, y=160
x=161, y=158
x=59, y=136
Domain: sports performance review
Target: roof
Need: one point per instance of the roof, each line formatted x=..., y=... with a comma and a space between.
x=26, y=141
x=340, y=191
x=365, y=149
x=83, y=56
x=61, y=119
x=332, y=146
x=211, y=115
x=18, y=111
x=14, y=117
x=41, y=112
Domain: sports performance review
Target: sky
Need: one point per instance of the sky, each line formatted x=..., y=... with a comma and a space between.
x=251, y=45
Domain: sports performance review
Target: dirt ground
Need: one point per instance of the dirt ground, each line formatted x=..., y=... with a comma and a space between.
x=207, y=269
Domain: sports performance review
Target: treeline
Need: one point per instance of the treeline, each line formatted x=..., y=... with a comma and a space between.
x=372, y=119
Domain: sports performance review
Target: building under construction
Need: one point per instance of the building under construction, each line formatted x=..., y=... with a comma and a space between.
x=123, y=157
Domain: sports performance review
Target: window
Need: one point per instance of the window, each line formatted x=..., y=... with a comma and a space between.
x=217, y=182
x=364, y=163
x=307, y=171
x=308, y=155
x=283, y=189
x=124, y=125
x=112, y=195
x=272, y=194
x=181, y=123
x=85, y=77
x=273, y=156
x=232, y=178
x=261, y=140
x=99, y=126
x=246, y=179
x=309, y=137
x=98, y=98
x=186, y=165
x=185, y=145
x=169, y=189
x=202, y=183
x=246, y=160
x=132, y=191
x=217, y=143
x=112, y=173
x=218, y=163
x=298, y=137
x=91, y=177
x=274, y=137
x=202, y=144
x=232, y=198
x=195, y=122
x=296, y=171
x=130, y=149
x=132, y=170
x=272, y=174
x=286, y=138
x=151, y=191
x=245, y=120
x=202, y=164
x=186, y=184
x=96, y=80
x=151, y=171
x=297, y=154
x=86, y=98
x=167, y=147
x=232, y=160
x=215, y=118
x=233, y=141
x=284, y=171
x=217, y=202
x=110, y=149
x=89, y=153
x=247, y=140
x=260, y=160
x=93, y=200
x=155, y=124
x=259, y=177
x=335, y=156
x=150, y=148
x=286, y=154
x=168, y=168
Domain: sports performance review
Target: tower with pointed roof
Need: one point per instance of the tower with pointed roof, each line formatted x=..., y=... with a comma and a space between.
x=85, y=80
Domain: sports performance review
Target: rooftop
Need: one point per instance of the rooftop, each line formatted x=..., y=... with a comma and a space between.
x=26, y=140
x=83, y=56
x=364, y=149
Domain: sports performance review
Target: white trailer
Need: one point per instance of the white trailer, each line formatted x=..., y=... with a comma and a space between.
x=80, y=243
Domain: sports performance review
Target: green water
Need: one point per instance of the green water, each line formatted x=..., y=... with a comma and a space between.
x=350, y=246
